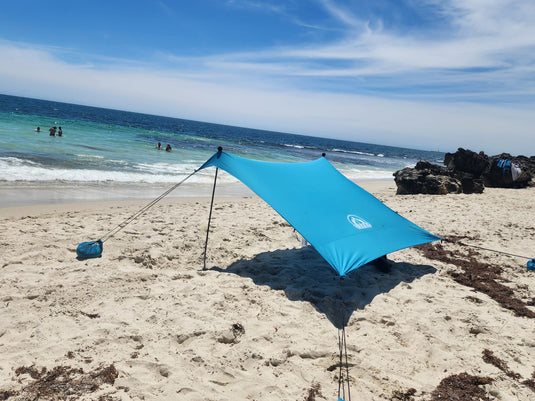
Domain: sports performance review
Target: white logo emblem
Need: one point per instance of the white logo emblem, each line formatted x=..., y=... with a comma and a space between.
x=358, y=222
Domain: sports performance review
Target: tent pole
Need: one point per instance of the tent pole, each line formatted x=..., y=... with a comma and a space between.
x=343, y=346
x=210, y=218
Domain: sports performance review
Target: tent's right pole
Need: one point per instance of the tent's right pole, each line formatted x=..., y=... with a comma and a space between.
x=343, y=346
x=210, y=218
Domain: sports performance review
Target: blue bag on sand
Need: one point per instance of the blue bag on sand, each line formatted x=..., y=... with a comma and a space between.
x=88, y=250
x=531, y=264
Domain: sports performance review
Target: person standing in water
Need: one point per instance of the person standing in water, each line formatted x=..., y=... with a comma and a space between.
x=52, y=131
x=60, y=132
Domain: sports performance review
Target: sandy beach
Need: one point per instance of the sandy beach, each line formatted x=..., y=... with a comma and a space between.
x=146, y=322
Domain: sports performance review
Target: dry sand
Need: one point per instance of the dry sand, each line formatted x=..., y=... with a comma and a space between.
x=145, y=322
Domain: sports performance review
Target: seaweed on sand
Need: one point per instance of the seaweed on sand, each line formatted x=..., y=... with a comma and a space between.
x=403, y=395
x=61, y=383
x=313, y=391
x=461, y=387
x=481, y=276
x=489, y=357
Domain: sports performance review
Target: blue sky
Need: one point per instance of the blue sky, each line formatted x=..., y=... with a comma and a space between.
x=428, y=74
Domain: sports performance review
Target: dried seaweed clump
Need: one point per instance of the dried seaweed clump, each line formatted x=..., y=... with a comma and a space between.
x=461, y=387
x=313, y=391
x=403, y=395
x=530, y=383
x=489, y=357
x=482, y=277
x=61, y=383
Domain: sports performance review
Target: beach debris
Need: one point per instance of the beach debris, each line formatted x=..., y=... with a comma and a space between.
x=461, y=387
x=60, y=383
x=530, y=383
x=232, y=336
x=90, y=315
x=482, y=277
x=146, y=259
x=313, y=392
x=238, y=329
x=403, y=396
x=489, y=357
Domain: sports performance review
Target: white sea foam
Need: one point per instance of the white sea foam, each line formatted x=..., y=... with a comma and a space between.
x=368, y=175
x=14, y=170
x=353, y=152
x=17, y=170
x=90, y=156
x=164, y=168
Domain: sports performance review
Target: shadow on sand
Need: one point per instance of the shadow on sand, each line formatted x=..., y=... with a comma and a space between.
x=305, y=276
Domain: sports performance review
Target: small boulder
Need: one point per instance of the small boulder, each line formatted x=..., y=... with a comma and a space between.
x=426, y=178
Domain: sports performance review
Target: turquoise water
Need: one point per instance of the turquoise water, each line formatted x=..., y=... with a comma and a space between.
x=89, y=152
x=102, y=145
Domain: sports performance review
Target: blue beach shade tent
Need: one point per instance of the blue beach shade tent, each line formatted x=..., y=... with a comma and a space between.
x=347, y=225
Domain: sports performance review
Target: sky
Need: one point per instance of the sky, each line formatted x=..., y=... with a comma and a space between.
x=424, y=74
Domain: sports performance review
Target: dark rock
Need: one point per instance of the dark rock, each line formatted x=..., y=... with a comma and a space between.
x=474, y=186
x=528, y=163
x=466, y=161
x=430, y=168
x=466, y=172
x=426, y=179
x=470, y=185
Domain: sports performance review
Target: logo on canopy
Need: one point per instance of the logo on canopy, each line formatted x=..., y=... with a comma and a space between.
x=358, y=222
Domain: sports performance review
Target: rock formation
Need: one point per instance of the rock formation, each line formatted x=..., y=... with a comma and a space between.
x=466, y=172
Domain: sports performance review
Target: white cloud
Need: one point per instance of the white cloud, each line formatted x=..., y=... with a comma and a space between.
x=466, y=88
x=492, y=45
x=488, y=34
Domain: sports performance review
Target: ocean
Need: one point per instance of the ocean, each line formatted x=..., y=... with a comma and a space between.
x=104, y=147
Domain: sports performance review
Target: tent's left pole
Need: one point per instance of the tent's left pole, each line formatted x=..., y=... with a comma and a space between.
x=209, y=218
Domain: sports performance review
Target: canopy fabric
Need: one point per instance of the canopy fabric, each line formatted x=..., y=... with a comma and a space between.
x=347, y=225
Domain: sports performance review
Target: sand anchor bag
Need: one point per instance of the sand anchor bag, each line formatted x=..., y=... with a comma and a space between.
x=88, y=250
